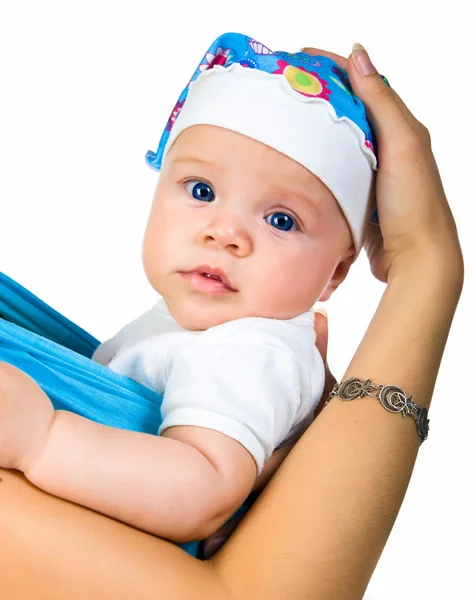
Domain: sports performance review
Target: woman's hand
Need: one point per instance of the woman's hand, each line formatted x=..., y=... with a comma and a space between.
x=415, y=221
x=26, y=414
x=213, y=543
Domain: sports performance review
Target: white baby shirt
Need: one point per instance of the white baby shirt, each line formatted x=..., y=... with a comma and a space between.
x=257, y=380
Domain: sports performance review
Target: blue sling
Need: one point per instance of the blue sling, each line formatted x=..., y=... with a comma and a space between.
x=56, y=353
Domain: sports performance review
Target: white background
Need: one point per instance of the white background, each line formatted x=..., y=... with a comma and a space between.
x=86, y=88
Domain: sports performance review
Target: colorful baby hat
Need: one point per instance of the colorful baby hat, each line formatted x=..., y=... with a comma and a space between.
x=301, y=105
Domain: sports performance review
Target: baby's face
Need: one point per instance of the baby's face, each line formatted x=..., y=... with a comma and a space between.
x=270, y=228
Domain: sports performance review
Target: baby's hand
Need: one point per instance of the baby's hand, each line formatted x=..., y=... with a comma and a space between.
x=26, y=414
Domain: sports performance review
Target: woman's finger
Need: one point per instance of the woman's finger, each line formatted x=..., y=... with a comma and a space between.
x=343, y=63
x=387, y=113
x=321, y=332
x=340, y=60
x=369, y=85
x=321, y=335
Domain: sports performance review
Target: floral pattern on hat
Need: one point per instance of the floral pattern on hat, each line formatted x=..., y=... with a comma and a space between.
x=303, y=81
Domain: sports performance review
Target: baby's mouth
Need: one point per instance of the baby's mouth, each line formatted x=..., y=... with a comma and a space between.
x=207, y=282
x=214, y=273
x=216, y=277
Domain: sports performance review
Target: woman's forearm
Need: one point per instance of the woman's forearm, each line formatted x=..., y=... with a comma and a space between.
x=319, y=527
x=52, y=549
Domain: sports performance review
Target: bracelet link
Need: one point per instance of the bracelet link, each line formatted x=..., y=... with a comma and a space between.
x=392, y=397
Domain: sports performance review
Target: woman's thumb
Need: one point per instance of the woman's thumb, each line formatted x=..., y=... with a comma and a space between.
x=321, y=331
x=362, y=61
x=321, y=341
x=374, y=91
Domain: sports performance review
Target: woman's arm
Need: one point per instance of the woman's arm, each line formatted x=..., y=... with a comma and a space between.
x=51, y=550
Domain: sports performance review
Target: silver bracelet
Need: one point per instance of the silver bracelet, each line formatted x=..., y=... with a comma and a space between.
x=393, y=398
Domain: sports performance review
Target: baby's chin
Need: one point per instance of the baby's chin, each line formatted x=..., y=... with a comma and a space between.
x=200, y=320
x=202, y=317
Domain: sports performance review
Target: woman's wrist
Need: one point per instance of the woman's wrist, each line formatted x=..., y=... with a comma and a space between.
x=431, y=265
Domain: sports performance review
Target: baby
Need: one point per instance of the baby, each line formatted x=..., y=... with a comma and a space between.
x=265, y=188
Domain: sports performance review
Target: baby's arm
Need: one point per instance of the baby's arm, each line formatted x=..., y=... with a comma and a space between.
x=182, y=485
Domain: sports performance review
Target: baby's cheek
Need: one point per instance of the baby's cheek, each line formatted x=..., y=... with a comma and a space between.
x=155, y=248
x=294, y=287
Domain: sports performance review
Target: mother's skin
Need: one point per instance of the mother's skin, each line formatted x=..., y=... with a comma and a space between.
x=318, y=528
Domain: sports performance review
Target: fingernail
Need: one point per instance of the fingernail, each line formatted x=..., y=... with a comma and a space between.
x=319, y=309
x=362, y=61
x=213, y=545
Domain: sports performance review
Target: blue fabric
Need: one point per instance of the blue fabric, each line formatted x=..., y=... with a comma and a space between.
x=56, y=354
x=21, y=307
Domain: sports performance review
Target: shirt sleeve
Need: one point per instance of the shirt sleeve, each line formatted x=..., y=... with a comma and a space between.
x=248, y=391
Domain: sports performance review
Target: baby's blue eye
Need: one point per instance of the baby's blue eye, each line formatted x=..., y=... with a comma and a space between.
x=200, y=190
x=282, y=221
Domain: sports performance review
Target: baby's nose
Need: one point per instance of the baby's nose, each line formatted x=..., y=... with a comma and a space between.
x=228, y=233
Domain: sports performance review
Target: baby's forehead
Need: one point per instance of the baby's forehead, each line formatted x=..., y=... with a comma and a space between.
x=229, y=159
x=229, y=151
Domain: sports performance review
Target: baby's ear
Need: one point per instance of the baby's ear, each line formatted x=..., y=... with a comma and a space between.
x=339, y=274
